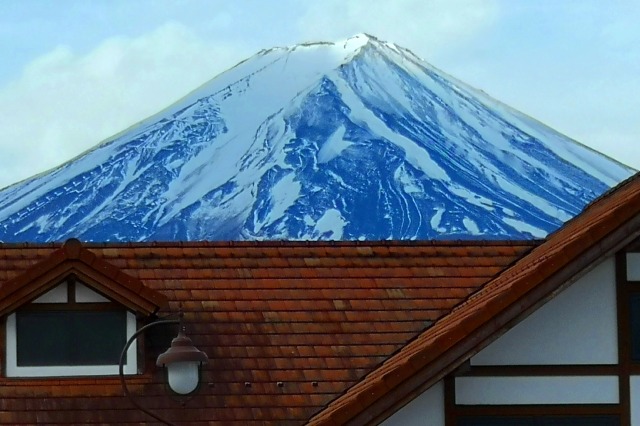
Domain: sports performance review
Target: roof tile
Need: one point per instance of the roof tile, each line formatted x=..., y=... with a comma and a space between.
x=266, y=312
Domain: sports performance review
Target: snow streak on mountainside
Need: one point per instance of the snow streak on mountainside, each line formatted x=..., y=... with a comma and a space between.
x=352, y=140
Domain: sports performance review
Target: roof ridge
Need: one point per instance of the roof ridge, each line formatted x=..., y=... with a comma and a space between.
x=279, y=243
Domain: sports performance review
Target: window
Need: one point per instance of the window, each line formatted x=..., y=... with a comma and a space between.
x=631, y=291
x=69, y=331
x=540, y=421
x=69, y=337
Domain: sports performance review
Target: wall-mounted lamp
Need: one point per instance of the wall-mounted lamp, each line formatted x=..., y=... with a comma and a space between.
x=182, y=361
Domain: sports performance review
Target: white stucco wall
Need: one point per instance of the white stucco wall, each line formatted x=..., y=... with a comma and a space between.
x=537, y=390
x=426, y=410
x=55, y=295
x=578, y=326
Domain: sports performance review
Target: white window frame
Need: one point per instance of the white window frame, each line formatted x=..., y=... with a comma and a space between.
x=13, y=370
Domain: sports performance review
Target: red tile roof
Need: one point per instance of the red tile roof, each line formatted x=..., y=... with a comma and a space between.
x=605, y=226
x=288, y=327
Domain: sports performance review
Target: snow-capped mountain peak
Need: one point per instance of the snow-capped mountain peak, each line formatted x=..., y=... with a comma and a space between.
x=358, y=139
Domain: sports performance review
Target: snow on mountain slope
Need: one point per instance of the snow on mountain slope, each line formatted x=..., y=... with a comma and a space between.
x=352, y=140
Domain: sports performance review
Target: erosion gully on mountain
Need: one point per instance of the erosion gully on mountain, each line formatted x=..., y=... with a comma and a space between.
x=354, y=140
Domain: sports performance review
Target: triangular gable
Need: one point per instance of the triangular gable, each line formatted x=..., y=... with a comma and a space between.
x=604, y=227
x=73, y=259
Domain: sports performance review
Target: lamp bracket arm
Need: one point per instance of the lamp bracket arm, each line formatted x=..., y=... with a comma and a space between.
x=123, y=354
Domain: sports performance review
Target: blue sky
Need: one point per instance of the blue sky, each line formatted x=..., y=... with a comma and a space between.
x=74, y=72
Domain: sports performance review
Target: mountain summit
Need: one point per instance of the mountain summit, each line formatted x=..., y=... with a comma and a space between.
x=359, y=139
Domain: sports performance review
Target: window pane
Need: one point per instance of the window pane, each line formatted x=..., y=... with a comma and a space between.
x=46, y=338
x=99, y=336
x=634, y=315
x=42, y=339
x=540, y=421
x=495, y=421
x=581, y=421
x=633, y=266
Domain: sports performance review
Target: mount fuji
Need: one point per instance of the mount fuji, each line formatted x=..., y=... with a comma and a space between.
x=355, y=140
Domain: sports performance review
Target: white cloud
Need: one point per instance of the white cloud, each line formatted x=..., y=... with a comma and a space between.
x=423, y=25
x=64, y=103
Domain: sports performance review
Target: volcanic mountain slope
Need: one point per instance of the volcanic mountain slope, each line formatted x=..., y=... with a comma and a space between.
x=359, y=139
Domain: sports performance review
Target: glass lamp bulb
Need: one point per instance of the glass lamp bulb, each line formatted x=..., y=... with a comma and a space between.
x=183, y=376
